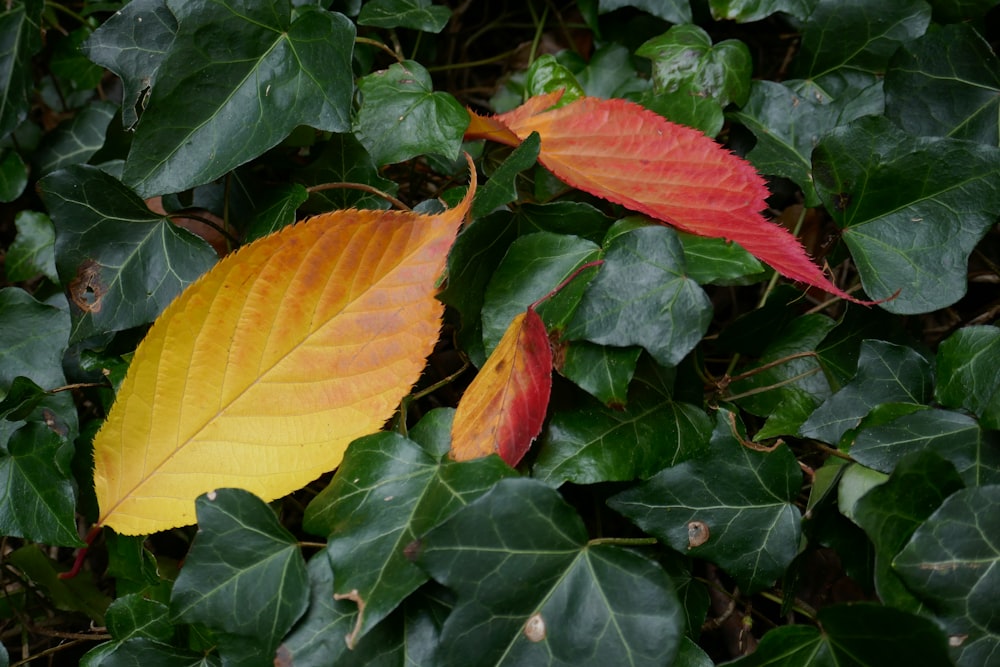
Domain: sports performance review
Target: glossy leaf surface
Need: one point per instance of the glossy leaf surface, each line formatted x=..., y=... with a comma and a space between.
x=502, y=410
x=385, y=495
x=732, y=506
x=256, y=71
x=532, y=591
x=967, y=373
x=249, y=387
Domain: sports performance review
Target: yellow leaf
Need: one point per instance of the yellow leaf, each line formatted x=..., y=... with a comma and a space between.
x=262, y=372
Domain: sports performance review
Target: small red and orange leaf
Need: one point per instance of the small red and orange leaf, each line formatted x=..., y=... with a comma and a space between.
x=261, y=373
x=502, y=411
x=622, y=152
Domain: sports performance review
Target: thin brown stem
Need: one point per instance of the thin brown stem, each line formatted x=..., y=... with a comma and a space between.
x=359, y=186
x=379, y=45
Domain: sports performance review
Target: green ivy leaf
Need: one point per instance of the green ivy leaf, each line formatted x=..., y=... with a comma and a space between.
x=716, y=261
x=534, y=265
x=412, y=14
x=789, y=125
x=953, y=564
x=857, y=35
x=143, y=652
x=132, y=43
x=953, y=436
x=21, y=37
x=79, y=594
x=732, y=506
x=603, y=372
x=912, y=209
x=967, y=373
x=892, y=511
x=386, y=493
x=610, y=73
x=563, y=217
x=22, y=397
x=595, y=443
x=121, y=262
x=401, y=116
x=946, y=84
x=13, y=175
x=672, y=11
x=244, y=574
x=32, y=251
x=135, y=616
x=746, y=11
x=953, y=11
x=642, y=296
x=254, y=72
x=474, y=257
x=36, y=487
x=501, y=188
x=276, y=209
x=684, y=57
x=547, y=75
x=887, y=373
x=532, y=591
x=76, y=140
x=861, y=635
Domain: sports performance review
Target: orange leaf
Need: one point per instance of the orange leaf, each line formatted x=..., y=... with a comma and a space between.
x=262, y=372
x=624, y=153
x=503, y=409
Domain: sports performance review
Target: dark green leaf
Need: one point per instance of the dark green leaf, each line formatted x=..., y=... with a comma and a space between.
x=121, y=262
x=35, y=338
x=548, y=75
x=603, y=372
x=955, y=437
x=857, y=35
x=953, y=564
x=433, y=431
x=132, y=43
x=967, y=373
x=276, y=210
x=20, y=39
x=532, y=592
x=474, y=257
x=135, y=568
x=912, y=209
x=946, y=84
x=76, y=140
x=13, y=175
x=745, y=11
x=839, y=351
x=244, y=574
x=788, y=126
x=135, y=616
x=22, y=397
x=413, y=14
x=673, y=11
x=596, y=443
x=36, y=487
x=714, y=260
x=563, y=217
x=858, y=635
x=401, y=116
x=318, y=637
x=686, y=107
x=782, y=373
x=501, y=188
x=683, y=57
x=890, y=513
x=143, y=652
x=642, y=296
x=887, y=373
x=255, y=73
x=533, y=266
x=79, y=594
x=387, y=492
x=953, y=11
x=344, y=160
x=610, y=73
x=733, y=506
x=71, y=66
x=32, y=251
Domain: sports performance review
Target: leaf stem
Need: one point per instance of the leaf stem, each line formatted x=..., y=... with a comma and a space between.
x=359, y=186
x=771, y=364
x=761, y=390
x=539, y=28
x=579, y=270
x=233, y=241
x=379, y=45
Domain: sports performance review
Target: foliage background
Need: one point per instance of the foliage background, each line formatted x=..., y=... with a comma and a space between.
x=758, y=474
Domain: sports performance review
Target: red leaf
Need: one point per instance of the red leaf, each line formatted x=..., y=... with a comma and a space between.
x=503, y=409
x=624, y=153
